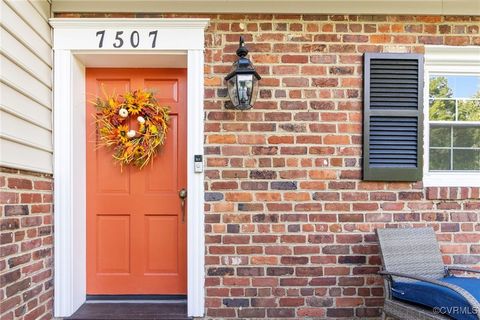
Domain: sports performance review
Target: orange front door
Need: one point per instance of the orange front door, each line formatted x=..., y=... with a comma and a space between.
x=136, y=228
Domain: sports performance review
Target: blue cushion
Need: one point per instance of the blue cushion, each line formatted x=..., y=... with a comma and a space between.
x=435, y=296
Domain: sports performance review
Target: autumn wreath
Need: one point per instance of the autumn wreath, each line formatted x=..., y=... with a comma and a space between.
x=133, y=124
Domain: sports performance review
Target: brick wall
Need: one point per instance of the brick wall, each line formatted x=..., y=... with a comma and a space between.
x=289, y=223
x=26, y=244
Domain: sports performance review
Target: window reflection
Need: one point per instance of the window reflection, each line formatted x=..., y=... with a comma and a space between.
x=454, y=115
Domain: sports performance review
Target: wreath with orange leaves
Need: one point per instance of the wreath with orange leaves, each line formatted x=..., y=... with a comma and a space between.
x=134, y=141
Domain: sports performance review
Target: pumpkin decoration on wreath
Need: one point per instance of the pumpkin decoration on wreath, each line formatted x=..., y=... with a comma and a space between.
x=130, y=146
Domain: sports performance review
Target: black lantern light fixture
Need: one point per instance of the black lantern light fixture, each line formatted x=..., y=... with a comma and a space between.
x=242, y=81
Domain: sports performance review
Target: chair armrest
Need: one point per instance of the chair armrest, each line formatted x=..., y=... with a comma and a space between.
x=465, y=294
x=459, y=268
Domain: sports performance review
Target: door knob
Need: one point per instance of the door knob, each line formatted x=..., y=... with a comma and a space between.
x=183, y=194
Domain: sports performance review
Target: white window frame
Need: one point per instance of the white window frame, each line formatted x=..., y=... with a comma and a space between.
x=447, y=60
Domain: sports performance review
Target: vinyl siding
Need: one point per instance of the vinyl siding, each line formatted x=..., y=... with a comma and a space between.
x=26, y=85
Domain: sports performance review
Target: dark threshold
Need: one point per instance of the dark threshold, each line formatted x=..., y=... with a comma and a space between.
x=174, y=310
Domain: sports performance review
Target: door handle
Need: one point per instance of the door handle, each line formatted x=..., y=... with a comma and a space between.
x=182, y=194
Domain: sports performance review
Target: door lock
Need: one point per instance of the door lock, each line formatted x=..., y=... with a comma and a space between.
x=183, y=194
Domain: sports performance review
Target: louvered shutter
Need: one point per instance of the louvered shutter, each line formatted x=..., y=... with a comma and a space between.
x=393, y=117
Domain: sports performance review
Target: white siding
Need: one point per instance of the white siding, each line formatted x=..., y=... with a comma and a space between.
x=342, y=7
x=26, y=85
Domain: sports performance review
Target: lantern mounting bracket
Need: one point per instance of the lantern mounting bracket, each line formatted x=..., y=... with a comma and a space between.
x=242, y=50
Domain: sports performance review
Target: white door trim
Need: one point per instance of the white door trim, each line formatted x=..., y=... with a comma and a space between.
x=73, y=40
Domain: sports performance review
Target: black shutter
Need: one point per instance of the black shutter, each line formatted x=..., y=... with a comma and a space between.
x=393, y=117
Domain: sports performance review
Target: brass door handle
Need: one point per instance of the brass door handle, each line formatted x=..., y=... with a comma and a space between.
x=183, y=194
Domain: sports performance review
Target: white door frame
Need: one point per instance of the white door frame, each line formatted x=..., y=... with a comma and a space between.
x=76, y=44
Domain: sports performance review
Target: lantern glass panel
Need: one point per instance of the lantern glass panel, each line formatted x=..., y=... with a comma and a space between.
x=232, y=90
x=245, y=89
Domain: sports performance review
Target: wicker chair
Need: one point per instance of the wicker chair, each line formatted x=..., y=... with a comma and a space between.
x=412, y=255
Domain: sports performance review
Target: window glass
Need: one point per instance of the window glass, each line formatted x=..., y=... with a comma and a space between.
x=440, y=136
x=454, y=120
x=454, y=98
x=440, y=159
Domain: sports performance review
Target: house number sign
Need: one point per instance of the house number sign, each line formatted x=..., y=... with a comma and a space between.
x=130, y=39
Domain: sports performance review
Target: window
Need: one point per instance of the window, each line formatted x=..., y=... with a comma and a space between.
x=452, y=119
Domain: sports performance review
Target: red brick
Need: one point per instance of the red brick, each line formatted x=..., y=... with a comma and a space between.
x=295, y=82
x=19, y=183
x=40, y=208
x=31, y=221
x=285, y=69
x=323, y=174
x=456, y=40
x=222, y=139
x=9, y=224
x=43, y=185
x=8, y=197
x=365, y=206
x=291, y=302
x=472, y=237
x=18, y=260
x=325, y=82
x=30, y=197
x=17, y=287
x=8, y=304
x=264, y=260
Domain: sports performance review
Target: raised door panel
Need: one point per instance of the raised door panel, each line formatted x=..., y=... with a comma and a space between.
x=161, y=244
x=109, y=177
x=165, y=90
x=158, y=179
x=113, y=244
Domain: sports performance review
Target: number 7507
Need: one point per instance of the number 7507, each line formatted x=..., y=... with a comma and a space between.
x=121, y=37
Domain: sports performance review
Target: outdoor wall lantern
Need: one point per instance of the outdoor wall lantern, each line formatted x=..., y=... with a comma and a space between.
x=242, y=81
